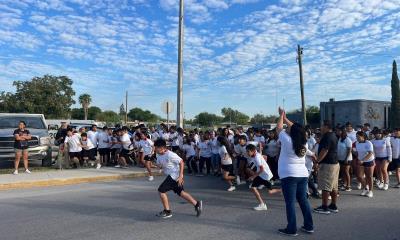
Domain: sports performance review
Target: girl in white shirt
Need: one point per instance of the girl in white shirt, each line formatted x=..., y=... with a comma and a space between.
x=226, y=154
x=345, y=157
x=366, y=160
x=272, y=148
x=204, y=153
x=383, y=155
x=189, y=151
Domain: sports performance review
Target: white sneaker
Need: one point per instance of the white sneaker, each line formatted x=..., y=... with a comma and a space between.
x=231, y=189
x=261, y=207
x=381, y=185
x=359, y=186
x=385, y=186
x=27, y=171
x=238, y=180
x=151, y=178
x=364, y=192
x=15, y=172
x=117, y=166
x=261, y=187
x=98, y=166
x=370, y=194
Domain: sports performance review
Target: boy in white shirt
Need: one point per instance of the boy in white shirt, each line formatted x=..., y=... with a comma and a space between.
x=88, y=150
x=146, y=148
x=74, y=146
x=172, y=166
x=261, y=177
x=103, y=140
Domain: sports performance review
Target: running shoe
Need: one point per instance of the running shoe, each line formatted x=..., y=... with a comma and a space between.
x=333, y=208
x=381, y=185
x=348, y=189
x=15, y=172
x=199, y=208
x=261, y=207
x=307, y=230
x=364, y=192
x=370, y=194
x=385, y=186
x=164, y=214
x=287, y=233
x=231, y=189
x=359, y=186
x=322, y=210
x=27, y=171
x=151, y=178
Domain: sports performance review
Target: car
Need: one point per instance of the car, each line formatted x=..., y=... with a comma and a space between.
x=39, y=145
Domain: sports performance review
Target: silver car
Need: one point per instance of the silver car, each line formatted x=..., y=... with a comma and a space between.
x=39, y=145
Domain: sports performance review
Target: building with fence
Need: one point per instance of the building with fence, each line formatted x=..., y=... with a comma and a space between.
x=358, y=112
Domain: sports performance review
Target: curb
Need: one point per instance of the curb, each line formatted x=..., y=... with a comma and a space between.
x=71, y=181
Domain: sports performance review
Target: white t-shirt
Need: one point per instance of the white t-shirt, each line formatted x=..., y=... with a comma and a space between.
x=74, y=143
x=93, y=137
x=103, y=140
x=126, y=141
x=146, y=146
x=259, y=139
x=241, y=150
x=174, y=139
x=189, y=150
x=214, y=146
x=170, y=164
x=382, y=148
x=342, y=149
x=363, y=149
x=225, y=158
x=272, y=148
x=155, y=136
x=395, y=142
x=352, y=135
x=205, y=149
x=87, y=145
x=259, y=161
x=289, y=164
x=311, y=143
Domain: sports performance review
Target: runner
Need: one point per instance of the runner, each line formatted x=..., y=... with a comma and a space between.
x=383, y=155
x=146, y=148
x=365, y=153
x=226, y=154
x=172, y=166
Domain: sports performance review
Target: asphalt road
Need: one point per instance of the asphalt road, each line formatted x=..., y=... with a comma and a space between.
x=126, y=210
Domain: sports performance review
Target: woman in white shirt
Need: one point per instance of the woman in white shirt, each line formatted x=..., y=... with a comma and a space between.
x=345, y=158
x=366, y=161
x=383, y=155
x=293, y=174
x=226, y=154
x=189, y=151
x=204, y=153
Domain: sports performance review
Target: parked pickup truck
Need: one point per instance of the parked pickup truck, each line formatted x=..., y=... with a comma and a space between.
x=39, y=145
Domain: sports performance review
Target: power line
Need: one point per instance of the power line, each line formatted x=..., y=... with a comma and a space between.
x=351, y=52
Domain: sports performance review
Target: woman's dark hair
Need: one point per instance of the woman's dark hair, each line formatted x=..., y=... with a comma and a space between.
x=84, y=135
x=362, y=134
x=23, y=122
x=343, y=136
x=275, y=135
x=299, y=140
x=224, y=142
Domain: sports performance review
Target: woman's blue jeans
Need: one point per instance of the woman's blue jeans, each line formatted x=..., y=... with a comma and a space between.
x=295, y=188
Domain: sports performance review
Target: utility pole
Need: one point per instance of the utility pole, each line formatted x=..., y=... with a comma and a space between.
x=126, y=108
x=303, y=104
x=179, y=117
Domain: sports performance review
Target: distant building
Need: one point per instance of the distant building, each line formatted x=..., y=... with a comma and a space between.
x=358, y=112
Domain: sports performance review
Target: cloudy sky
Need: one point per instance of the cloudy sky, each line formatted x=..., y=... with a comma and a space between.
x=238, y=53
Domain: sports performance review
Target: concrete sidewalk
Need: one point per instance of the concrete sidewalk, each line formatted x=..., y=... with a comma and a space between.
x=69, y=177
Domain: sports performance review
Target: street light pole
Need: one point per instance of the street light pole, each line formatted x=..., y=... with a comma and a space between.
x=179, y=118
x=303, y=105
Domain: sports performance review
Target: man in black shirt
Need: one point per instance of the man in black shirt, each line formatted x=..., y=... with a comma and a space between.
x=22, y=137
x=328, y=174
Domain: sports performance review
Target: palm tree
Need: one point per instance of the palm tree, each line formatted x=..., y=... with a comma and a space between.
x=85, y=100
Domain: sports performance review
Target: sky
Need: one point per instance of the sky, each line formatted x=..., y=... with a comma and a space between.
x=237, y=53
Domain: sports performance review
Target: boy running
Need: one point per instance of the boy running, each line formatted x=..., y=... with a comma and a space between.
x=261, y=177
x=172, y=166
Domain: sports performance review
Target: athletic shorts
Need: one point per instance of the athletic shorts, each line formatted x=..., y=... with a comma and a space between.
x=74, y=155
x=20, y=150
x=228, y=168
x=379, y=159
x=328, y=177
x=258, y=181
x=125, y=154
x=345, y=163
x=396, y=163
x=147, y=158
x=368, y=164
x=170, y=184
x=104, y=151
x=90, y=154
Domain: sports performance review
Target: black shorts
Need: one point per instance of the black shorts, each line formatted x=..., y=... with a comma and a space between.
x=379, y=159
x=228, y=168
x=345, y=163
x=74, y=155
x=125, y=154
x=258, y=181
x=148, y=158
x=396, y=163
x=368, y=164
x=104, y=151
x=90, y=154
x=170, y=184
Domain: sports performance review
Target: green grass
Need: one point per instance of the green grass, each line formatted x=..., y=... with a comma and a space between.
x=32, y=169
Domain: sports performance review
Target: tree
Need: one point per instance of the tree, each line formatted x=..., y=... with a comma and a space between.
x=142, y=115
x=312, y=115
x=231, y=115
x=395, y=104
x=85, y=100
x=263, y=119
x=108, y=117
x=206, y=119
x=79, y=113
x=49, y=95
